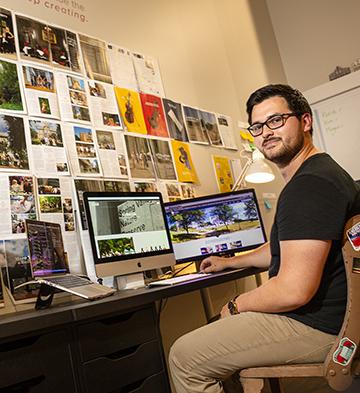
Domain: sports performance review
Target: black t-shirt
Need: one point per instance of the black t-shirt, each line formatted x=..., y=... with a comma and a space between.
x=316, y=204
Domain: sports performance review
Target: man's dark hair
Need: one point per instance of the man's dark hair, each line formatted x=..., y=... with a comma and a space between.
x=297, y=103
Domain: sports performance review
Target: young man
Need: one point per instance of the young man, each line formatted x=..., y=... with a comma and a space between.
x=295, y=316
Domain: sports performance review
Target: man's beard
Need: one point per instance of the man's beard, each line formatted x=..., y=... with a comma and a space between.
x=283, y=157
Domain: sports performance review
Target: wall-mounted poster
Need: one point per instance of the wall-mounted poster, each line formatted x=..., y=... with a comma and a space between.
x=112, y=154
x=48, y=149
x=148, y=75
x=33, y=40
x=130, y=109
x=40, y=92
x=7, y=42
x=226, y=130
x=175, y=120
x=95, y=58
x=103, y=106
x=11, y=98
x=224, y=177
x=73, y=98
x=122, y=67
x=209, y=125
x=145, y=187
x=183, y=162
x=83, y=155
x=163, y=161
x=194, y=129
x=13, y=143
x=140, y=161
x=154, y=115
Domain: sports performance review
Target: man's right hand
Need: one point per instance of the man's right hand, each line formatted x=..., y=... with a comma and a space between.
x=213, y=264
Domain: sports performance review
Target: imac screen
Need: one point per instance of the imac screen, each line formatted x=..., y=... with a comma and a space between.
x=127, y=227
x=215, y=224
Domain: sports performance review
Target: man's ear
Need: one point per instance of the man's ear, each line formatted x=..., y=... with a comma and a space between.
x=307, y=122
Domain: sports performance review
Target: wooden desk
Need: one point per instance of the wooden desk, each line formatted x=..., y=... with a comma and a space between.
x=108, y=345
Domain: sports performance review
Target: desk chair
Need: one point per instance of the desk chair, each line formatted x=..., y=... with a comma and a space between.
x=339, y=367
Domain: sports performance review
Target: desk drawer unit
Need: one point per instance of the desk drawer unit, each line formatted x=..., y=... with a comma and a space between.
x=37, y=364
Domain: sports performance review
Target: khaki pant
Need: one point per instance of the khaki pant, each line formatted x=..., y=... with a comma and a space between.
x=201, y=359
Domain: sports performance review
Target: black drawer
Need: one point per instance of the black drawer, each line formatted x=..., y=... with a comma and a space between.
x=113, y=334
x=109, y=374
x=37, y=364
x=154, y=384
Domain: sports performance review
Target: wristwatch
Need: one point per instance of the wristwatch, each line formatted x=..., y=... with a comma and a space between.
x=232, y=306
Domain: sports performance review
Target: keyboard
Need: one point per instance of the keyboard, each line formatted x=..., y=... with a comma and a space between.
x=69, y=281
x=179, y=279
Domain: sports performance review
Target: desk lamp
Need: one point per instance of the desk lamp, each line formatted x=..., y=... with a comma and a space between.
x=255, y=170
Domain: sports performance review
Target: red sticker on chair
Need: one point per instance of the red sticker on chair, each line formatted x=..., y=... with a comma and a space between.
x=344, y=352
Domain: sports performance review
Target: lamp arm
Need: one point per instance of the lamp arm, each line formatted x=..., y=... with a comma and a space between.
x=241, y=177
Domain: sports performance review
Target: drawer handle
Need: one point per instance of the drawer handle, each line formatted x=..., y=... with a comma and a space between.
x=23, y=387
x=123, y=353
x=117, y=319
x=132, y=387
x=13, y=345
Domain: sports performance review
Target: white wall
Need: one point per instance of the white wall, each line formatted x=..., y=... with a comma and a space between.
x=314, y=37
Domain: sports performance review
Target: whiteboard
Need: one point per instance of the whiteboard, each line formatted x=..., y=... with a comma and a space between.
x=336, y=110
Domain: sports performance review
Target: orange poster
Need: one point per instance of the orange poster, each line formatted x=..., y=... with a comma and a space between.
x=223, y=173
x=130, y=109
x=184, y=166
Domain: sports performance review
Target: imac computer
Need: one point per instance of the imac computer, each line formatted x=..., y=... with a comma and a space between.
x=128, y=232
x=220, y=224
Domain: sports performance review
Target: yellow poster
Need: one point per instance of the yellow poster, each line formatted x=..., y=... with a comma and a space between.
x=224, y=177
x=130, y=109
x=184, y=166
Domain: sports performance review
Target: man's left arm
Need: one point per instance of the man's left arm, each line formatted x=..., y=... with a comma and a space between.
x=299, y=277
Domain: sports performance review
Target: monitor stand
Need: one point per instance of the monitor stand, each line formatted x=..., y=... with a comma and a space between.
x=130, y=281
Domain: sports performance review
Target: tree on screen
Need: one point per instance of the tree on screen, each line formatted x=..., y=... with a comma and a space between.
x=224, y=214
x=186, y=219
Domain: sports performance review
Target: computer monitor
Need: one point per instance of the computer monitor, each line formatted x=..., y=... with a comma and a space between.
x=128, y=232
x=219, y=224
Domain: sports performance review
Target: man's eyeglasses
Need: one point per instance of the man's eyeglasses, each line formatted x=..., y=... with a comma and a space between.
x=273, y=122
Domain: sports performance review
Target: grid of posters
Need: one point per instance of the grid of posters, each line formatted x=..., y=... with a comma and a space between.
x=65, y=100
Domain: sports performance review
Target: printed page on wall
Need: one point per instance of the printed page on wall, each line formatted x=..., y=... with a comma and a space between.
x=48, y=149
x=209, y=125
x=17, y=203
x=148, y=75
x=7, y=42
x=131, y=110
x=33, y=40
x=81, y=148
x=139, y=155
x=16, y=269
x=122, y=67
x=170, y=191
x=11, y=94
x=187, y=191
x=112, y=153
x=95, y=58
x=195, y=132
x=154, y=115
x=73, y=98
x=112, y=185
x=183, y=162
x=144, y=186
x=14, y=142
x=103, y=106
x=223, y=173
x=163, y=161
x=40, y=92
x=226, y=130
x=175, y=120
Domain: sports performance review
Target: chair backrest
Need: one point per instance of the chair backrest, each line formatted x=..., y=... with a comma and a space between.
x=338, y=364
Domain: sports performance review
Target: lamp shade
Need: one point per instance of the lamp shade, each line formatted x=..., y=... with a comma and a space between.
x=259, y=171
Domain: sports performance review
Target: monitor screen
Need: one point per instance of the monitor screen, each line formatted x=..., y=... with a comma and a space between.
x=128, y=232
x=216, y=224
x=46, y=248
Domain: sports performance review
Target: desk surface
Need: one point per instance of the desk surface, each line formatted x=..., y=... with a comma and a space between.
x=79, y=310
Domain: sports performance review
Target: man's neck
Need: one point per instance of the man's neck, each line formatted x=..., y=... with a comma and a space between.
x=306, y=152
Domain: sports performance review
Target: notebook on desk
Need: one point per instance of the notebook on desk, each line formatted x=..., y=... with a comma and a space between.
x=49, y=264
